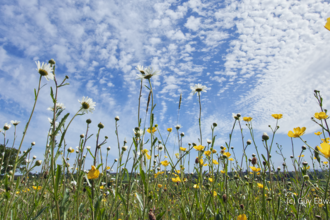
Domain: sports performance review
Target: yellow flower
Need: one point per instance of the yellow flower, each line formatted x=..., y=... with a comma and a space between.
x=215, y=193
x=148, y=156
x=165, y=156
x=222, y=171
x=211, y=180
x=215, y=162
x=156, y=174
x=17, y=192
x=247, y=119
x=144, y=151
x=214, y=151
x=177, y=179
x=107, y=167
x=165, y=163
x=242, y=217
x=154, y=129
x=201, y=162
x=199, y=148
x=318, y=133
x=301, y=155
x=297, y=132
x=227, y=154
x=196, y=186
x=325, y=150
x=93, y=173
x=71, y=150
x=36, y=188
x=178, y=171
x=260, y=185
x=169, y=129
x=101, y=187
x=277, y=116
x=327, y=25
x=258, y=173
x=325, y=162
x=231, y=159
x=177, y=155
x=321, y=115
x=160, y=185
x=207, y=153
x=325, y=140
x=183, y=149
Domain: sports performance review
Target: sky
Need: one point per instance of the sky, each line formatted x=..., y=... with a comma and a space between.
x=257, y=57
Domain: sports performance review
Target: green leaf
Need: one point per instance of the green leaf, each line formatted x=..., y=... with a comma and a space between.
x=140, y=201
x=160, y=215
x=52, y=94
x=39, y=213
x=98, y=166
x=65, y=84
x=90, y=153
x=35, y=94
x=57, y=179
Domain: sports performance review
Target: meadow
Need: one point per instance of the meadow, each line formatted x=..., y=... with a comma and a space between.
x=146, y=182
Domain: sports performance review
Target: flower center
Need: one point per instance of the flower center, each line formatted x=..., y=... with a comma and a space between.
x=43, y=72
x=199, y=90
x=85, y=105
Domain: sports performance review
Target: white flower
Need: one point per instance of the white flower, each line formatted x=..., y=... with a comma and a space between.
x=51, y=122
x=160, y=147
x=74, y=182
x=45, y=70
x=103, y=183
x=138, y=133
x=88, y=147
x=6, y=126
x=178, y=126
x=208, y=141
x=198, y=88
x=58, y=106
x=15, y=122
x=34, y=157
x=149, y=72
x=140, y=69
x=87, y=105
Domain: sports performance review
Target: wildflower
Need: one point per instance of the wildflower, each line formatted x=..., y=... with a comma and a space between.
x=107, y=168
x=148, y=156
x=318, y=133
x=169, y=129
x=45, y=70
x=227, y=154
x=325, y=150
x=297, y=132
x=201, y=162
x=247, y=119
x=325, y=140
x=36, y=188
x=38, y=162
x=70, y=150
x=177, y=155
x=198, y=88
x=231, y=159
x=152, y=130
x=277, y=116
x=325, y=162
x=207, y=153
x=58, y=106
x=176, y=180
x=237, y=116
x=87, y=105
x=6, y=126
x=148, y=73
x=183, y=149
x=93, y=173
x=215, y=193
x=196, y=186
x=321, y=115
x=165, y=163
x=140, y=69
x=159, y=185
x=327, y=25
x=260, y=185
x=157, y=174
x=208, y=141
x=214, y=151
x=160, y=147
x=222, y=171
x=215, y=162
x=138, y=132
x=117, y=118
x=242, y=217
x=301, y=155
x=254, y=169
x=199, y=148
x=177, y=127
x=15, y=122
x=211, y=180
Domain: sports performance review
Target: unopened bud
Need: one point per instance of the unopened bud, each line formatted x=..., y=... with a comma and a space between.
x=82, y=136
x=88, y=121
x=100, y=125
x=117, y=118
x=124, y=148
x=248, y=142
x=108, y=148
x=303, y=147
x=38, y=162
x=265, y=136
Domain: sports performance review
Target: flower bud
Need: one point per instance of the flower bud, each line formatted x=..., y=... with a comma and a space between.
x=51, y=62
x=209, y=141
x=84, y=156
x=303, y=147
x=182, y=134
x=248, y=142
x=117, y=118
x=241, y=206
x=82, y=136
x=283, y=164
x=254, y=160
x=124, y=148
x=106, y=137
x=88, y=121
x=291, y=156
x=100, y=125
x=265, y=136
x=34, y=157
x=224, y=198
x=215, y=124
x=67, y=77
x=306, y=177
x=33, y=143
x=108, y=148
x=196, y=160
x=116, y=160
x=38, y=162
x=232, y=148
x=70, y=149
x=278, y=168
x=305, y=163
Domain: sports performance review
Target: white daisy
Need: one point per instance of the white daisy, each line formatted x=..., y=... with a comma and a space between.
x=149, y=72
x=51, y=122
x=45, y=70
x=161, y=147
x=6, y=126
x=178, y=126
x=198, y=88
x=15, y=122
x=138, y=133
x=74, y=182
x=87, y=105
x=140, y=69
x=58, y=106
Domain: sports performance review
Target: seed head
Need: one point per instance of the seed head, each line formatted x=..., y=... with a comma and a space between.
x=88, y=121
x=254, y=160
x=224, y=198
x=100, y=125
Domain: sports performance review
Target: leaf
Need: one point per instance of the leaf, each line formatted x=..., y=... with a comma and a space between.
x=98, y=166
x=140, y=202
x=89, y=184
x=35, y=94
x=57, y=180
x=39, y=213
x=90, y=153
x=52, y=94
x=160, y=215
x=65, y=84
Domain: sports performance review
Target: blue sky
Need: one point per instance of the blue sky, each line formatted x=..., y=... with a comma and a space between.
x=258, y=57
